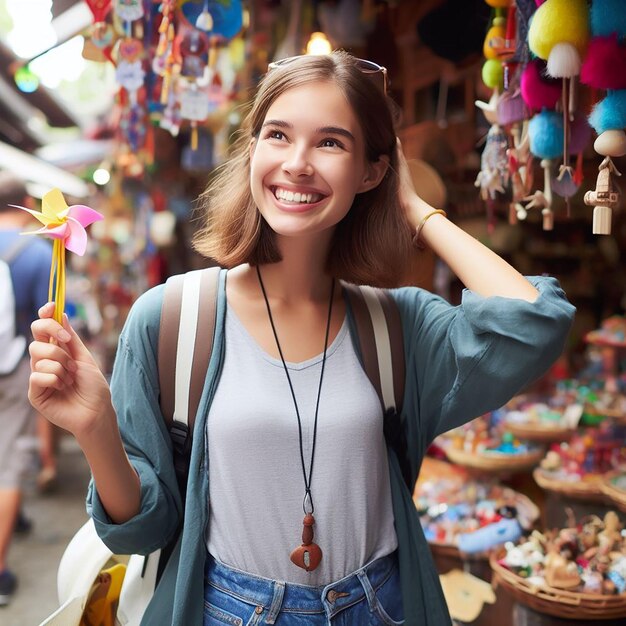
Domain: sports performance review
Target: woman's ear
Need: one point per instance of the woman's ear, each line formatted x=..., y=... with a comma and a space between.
x=374, y=172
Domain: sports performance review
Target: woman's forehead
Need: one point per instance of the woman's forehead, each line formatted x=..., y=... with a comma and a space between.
x=318, y=104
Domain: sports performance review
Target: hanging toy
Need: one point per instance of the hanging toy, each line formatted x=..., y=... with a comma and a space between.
x=129, y=10
x=520, y=171
x=493, y=177
x=605, y=68
x=97, y=46
x=66, y=226
x=194, y=106
x=558, y=33
x=545, y=134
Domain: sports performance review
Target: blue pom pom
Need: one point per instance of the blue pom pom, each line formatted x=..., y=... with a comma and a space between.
x=608, y=17
x=610, y=113
x=545, y=132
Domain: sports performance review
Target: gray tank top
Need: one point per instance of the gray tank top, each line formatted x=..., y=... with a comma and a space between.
x=256, y=487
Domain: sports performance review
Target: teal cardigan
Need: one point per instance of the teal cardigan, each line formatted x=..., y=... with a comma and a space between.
x=461, y=361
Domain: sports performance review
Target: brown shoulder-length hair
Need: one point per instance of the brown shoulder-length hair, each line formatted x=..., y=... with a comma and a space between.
x=372, y=243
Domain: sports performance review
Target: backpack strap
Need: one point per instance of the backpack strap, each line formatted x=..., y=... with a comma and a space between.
x=379, y=329
x=186, y=334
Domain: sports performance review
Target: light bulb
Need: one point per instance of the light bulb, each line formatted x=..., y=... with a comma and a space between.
x=101, y=176
x=318, y=44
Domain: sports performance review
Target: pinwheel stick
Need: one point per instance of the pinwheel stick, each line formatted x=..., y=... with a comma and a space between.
x=56, y=287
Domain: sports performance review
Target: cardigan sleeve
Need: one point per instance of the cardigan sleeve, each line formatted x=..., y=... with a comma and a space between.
x=462, y=361
x=135, y=395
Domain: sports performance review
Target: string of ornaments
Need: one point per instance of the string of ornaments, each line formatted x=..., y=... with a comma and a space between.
x=535, y=51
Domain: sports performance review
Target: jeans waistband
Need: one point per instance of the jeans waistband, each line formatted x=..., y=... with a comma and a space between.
x=290, y=597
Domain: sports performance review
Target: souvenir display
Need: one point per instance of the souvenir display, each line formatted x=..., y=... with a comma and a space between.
x=462, y=515
x=575, y=573
x=554, y=418
x=576, y=468
x=484, y=445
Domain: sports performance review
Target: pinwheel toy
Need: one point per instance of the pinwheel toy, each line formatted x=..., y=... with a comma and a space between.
x=66, y=226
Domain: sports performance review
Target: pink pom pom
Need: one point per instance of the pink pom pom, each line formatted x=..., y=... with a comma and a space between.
x=605, y=64
x=538, y=91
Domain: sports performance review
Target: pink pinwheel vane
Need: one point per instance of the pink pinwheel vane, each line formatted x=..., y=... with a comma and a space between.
x=66, y=226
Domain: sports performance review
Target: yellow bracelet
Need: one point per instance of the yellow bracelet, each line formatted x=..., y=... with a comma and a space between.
x=418, y=231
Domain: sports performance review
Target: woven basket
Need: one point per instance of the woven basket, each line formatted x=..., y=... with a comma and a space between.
x=587, y=491
x=616, y=496
x=557, y=602
x=539, y=432
x=494, y=462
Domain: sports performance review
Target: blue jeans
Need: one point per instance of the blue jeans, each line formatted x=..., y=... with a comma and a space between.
x=368, y=597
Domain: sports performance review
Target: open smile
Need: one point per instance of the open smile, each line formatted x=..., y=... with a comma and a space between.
x=296, y=200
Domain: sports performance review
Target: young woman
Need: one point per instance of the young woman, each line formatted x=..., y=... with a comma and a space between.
x=317, y=192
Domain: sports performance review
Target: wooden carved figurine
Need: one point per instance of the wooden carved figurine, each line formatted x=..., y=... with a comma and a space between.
x=605, y=197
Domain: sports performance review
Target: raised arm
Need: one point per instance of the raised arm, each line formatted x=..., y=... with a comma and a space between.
x=480, y=269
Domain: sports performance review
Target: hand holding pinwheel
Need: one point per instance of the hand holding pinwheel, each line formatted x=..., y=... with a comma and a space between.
x=66, y=226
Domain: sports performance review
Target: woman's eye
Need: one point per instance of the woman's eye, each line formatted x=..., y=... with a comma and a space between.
x=275, y=134
x=331, y=143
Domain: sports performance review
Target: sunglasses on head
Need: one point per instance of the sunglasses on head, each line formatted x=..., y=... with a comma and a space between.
x=376, y=73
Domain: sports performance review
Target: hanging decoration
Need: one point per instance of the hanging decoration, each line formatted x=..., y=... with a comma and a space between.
x=558, y=34
x=605, y=68
x=165, y=55
x=503, y=106
x=66, y=226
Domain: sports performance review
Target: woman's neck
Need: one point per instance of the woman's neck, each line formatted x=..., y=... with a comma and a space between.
x=301, y=274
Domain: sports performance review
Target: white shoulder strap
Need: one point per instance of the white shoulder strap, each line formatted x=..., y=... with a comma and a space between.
x=186, y=344
x=383, y=345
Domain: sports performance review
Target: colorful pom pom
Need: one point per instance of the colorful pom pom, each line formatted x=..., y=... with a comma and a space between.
x=559, y=21
x=539, y=92
x=493, y=74
x=610, y=113
x=608, y=17
x=498, y=4
x=605, y=63
x=564, y=61
x=545, y=133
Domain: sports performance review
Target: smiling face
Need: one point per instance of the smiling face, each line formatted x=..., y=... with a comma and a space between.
x=308, y=161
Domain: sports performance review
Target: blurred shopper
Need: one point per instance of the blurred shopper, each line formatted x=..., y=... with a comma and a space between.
x=28, y=259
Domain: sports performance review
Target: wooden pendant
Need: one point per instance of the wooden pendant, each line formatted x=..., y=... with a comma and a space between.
x=309, y=554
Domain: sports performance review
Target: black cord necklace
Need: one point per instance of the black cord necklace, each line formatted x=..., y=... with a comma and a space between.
x=309, y=554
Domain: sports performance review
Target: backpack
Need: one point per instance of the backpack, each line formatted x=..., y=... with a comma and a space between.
x=186, y=336
x=12, y=346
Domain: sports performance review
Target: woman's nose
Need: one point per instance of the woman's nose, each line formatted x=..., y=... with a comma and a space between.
x=297, y=162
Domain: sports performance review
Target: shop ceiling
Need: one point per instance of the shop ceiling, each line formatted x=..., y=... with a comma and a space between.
x=23, y=116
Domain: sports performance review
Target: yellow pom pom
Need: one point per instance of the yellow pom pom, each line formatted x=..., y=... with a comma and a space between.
x=493, y=74
x=559, y=21
x=495, y=32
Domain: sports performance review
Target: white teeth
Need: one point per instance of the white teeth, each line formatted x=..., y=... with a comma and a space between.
x=290, y=196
